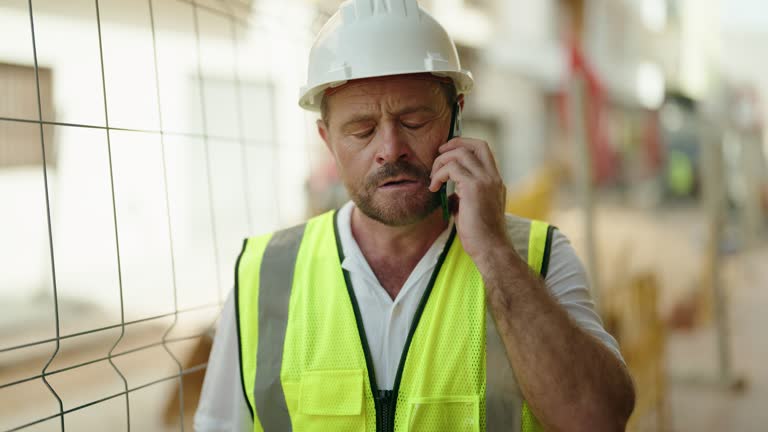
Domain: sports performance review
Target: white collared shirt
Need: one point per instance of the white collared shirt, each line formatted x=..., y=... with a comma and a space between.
x=386, y=321
x=223, y=407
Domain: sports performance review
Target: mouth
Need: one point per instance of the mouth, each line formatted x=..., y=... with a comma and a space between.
x=398, y=182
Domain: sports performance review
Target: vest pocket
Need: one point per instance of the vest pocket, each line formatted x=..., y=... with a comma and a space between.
x=445, y=414
x=331, y=400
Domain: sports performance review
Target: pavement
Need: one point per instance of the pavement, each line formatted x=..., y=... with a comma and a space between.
x=697, y=401
x=670, y=244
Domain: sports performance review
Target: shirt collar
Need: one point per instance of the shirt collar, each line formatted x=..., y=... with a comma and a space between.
x=355, y=262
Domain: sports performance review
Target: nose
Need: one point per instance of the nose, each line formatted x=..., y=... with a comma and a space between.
x=392, y=147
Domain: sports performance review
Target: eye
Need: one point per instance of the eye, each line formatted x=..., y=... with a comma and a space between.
x=364, y=134
x=412, y=125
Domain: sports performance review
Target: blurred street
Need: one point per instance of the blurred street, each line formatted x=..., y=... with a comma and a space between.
x=696, y=400
x=706, y=406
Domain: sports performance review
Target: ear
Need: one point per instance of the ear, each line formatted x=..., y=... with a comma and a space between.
x=322, y=129
x=460, y=101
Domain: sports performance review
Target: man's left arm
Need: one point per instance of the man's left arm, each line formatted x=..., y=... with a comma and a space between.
x=570, y=380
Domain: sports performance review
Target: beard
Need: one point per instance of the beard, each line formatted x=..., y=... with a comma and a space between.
x=391, y=208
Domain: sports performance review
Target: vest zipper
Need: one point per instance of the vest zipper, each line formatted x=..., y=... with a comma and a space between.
x=385, y=418
x=414, y=325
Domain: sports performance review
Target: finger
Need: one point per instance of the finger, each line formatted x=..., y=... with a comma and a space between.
x=451, y=171
x=463, y=155
x=479, y=147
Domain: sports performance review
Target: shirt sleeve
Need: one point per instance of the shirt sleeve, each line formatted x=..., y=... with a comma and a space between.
x=222, y=406
x=567, y=281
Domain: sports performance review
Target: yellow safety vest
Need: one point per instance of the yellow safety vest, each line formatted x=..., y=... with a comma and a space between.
x=304, y=357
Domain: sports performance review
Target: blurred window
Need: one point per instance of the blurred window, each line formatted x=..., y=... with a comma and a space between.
x=17, y=142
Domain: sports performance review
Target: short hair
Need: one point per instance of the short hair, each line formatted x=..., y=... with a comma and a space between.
x=448, y=90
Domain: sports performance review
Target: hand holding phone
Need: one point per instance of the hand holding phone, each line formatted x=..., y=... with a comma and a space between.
x=471, y=187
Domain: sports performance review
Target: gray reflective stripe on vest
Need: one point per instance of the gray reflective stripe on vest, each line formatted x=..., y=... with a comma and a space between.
x=275, y=282
x=502, y=412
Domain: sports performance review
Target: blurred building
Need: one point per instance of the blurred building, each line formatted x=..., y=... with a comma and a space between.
x=200, y=106
x=171, y=132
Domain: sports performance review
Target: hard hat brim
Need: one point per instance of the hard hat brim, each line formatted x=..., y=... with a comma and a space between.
x=311, y=97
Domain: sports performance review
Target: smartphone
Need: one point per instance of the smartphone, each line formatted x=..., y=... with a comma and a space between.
x=448, y=187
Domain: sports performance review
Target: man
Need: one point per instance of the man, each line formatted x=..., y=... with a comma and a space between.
x=387, y=316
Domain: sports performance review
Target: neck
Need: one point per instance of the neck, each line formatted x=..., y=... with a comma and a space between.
x=395, y=241
x=393, y=251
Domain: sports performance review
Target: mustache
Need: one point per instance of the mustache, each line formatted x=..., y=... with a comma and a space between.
x=395, y=169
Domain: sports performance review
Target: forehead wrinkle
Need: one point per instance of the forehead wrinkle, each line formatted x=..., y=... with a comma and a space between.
x=375, y=97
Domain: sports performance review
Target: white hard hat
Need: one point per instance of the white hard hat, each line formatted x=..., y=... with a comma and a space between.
x=374, y=38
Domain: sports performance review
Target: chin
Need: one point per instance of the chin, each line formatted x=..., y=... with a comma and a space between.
x=401, y=211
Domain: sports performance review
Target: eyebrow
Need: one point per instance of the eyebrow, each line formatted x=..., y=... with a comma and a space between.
x=362, y=117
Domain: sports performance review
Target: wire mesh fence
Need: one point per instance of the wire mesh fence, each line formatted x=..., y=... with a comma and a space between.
x=157, y=137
